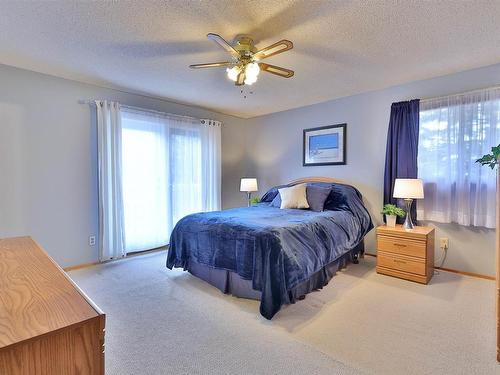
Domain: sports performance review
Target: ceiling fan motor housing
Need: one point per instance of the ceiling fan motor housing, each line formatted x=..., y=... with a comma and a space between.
x=245, y=46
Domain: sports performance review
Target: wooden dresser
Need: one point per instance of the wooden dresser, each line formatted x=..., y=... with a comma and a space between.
x=47, y=324
x=406, y=254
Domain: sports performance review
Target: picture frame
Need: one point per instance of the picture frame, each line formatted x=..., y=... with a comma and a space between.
x=325, y=145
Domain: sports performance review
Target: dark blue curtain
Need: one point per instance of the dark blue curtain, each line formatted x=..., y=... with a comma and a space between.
x=402, y=148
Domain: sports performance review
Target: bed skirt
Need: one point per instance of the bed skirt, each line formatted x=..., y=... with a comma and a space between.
x=229, y=282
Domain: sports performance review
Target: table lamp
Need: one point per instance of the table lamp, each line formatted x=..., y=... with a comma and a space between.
x=248, y=185
x=408, y=189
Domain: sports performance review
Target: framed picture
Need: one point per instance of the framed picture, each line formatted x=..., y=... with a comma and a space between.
x=325, y=145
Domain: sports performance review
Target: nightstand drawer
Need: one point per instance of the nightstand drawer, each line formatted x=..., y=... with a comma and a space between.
x=401, y=263
x=402, y=246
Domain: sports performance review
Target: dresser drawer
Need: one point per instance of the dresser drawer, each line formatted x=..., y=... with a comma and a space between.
x=401, y=263
x=393, y=244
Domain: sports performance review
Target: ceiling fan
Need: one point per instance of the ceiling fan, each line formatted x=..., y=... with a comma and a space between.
x=245, y=64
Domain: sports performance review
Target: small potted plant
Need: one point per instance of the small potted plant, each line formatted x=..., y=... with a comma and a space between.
x=391, y=211
x=254, y=201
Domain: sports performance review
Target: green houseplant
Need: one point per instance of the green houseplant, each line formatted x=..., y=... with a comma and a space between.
x=391, y=211
x=491, y=160
x=254, y=200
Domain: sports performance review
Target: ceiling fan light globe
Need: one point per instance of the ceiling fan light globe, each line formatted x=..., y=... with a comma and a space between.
x=232, y=73
x=252, y=70
x=249, y=80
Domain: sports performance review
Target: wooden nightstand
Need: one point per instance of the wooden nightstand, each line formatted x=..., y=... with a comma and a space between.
x=406, y=254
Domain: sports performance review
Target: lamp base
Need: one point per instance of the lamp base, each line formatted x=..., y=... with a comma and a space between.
x=408, y=224
x=249, y=196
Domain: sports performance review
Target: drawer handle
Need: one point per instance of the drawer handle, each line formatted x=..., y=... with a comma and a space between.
x=399, y=261
x=399, y=245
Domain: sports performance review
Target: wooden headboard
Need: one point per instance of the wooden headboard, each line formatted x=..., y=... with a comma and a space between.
x=314, y=179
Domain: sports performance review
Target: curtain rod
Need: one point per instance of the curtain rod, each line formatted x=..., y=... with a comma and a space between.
x=140, y=109
x=460, y=93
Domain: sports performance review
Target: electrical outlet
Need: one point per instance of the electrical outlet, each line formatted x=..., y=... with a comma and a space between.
x=91, y=240
x=444, y=243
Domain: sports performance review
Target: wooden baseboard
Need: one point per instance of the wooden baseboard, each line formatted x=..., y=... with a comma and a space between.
x=471, y=274
x=78, y=266
x=128, y=256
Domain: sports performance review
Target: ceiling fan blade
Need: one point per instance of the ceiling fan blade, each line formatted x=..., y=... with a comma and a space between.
x=220, y=41
x=273, y=49
x=240, y=80
x=279, y=71
x=211, y=65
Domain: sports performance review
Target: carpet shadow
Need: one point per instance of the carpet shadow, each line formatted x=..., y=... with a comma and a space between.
x=290, y=317
x=294, y=317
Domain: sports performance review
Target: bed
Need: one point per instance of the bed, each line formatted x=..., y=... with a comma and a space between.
x=270, y=254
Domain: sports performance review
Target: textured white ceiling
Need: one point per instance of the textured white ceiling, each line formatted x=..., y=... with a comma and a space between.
x=340, y=47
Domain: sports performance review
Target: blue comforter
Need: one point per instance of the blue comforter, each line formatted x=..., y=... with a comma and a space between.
x=276, y=249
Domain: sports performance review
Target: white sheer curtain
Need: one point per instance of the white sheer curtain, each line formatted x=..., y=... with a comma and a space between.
x=454, y=132
x=211, y=165
x=171, y=168
x=109, y=144
x=145, y=203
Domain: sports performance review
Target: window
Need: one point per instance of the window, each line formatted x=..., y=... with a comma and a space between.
x=454, y=132
x=162, y=165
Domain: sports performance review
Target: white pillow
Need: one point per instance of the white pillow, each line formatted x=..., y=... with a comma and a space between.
x=294, y=197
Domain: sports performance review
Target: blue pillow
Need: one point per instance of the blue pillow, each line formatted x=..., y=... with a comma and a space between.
x=316, y=197
x=337, y=200
x=276, y=202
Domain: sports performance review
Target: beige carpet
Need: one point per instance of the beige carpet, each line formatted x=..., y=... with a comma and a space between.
x=168, y=322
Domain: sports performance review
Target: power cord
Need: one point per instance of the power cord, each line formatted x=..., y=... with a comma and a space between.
x=443, y=258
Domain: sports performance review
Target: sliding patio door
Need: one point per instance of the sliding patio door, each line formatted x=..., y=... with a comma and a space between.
x=162, y=168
